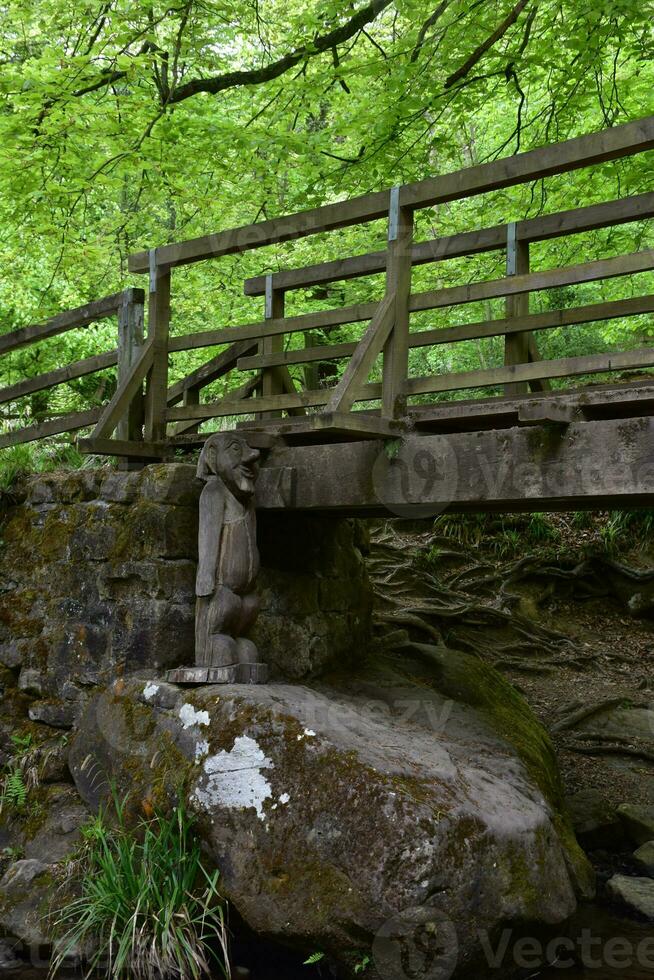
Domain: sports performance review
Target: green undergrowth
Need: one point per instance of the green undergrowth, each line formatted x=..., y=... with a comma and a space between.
x=17, y=462
x=148, y=907
x=553, y=537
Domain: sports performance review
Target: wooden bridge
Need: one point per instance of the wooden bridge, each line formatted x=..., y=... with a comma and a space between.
x=529, y=447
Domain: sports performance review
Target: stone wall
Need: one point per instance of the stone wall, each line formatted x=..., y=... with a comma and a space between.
x=97, y=574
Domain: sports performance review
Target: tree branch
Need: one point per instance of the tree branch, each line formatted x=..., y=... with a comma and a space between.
x=255, y=76
x=486, y=45
x=422, y=33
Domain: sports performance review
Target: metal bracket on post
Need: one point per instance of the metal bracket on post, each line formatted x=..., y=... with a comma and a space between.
x=394, y=213
x=268, y=311
x=511, y=249
x=152, y=262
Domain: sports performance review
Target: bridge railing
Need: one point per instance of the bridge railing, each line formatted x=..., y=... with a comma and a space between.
x=172, y=414
x=128, y=307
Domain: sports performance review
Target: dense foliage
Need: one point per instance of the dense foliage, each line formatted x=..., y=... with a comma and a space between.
x=129, y=124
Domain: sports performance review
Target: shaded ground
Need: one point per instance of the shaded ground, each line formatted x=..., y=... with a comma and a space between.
x=562, y=604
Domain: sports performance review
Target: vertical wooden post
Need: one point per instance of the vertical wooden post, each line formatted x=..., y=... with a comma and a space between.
x=192, y=397
x=158, y=327
x=130, y=341
x=398, y=280
x=516, y=345
x=271, y=381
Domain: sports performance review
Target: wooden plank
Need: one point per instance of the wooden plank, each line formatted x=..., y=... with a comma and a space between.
x=516, y=344
x=605, y=465
x=130, y=342
x=327, y=426
x=81, y=316
x=156, y=391
x=623, y=400
x=123, y=447
x=304, y=399
x=593, y=312
x=563, y=367
x=218, y=366
x=342, y=397
x=620, y=265
x=542, y=384
x=127, y=389
x=64, y=423
x=539, y=229
x=583, y=151
x=549, y=412
x=77, y=369
x=398, y=283
x=324, y=320
x=236, y=394
x=272, y=382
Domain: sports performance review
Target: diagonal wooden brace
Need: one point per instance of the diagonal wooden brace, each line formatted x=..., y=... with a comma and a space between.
x=369, y=348
x=125, y=392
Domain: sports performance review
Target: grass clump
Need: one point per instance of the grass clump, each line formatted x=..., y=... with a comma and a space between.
x=148, y=909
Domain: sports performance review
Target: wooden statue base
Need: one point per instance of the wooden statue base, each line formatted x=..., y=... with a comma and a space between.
x=233, y=674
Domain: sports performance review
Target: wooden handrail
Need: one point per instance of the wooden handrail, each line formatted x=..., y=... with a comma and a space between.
x=543, y=228
x=583, y=151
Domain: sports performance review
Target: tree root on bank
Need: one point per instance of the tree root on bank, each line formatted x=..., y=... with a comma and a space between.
x=433, y=589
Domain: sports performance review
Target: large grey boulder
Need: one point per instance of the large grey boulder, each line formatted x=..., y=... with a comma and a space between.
x=644, y=858
x=26, y=889
x=636, y=893
x=422, y=787
x=638, y=820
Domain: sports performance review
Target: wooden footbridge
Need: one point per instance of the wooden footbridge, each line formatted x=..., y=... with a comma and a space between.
x=370, y=447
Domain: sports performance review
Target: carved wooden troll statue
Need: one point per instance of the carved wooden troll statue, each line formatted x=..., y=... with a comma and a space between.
x=228, y=562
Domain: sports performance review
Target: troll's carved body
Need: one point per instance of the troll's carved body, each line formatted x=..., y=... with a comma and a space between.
x=226, y=604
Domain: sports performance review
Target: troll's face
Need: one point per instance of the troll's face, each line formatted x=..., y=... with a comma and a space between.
x=229, y=457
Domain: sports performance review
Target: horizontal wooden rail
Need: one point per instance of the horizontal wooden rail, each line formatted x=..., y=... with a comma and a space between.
x=70, y=320
x=594, y=312
x=218, y=366
x=583, y=151
x=562, y=367
x=621, y=265
x=487, y=378
x=64, y=423
x=466, y=243
x=77, y=369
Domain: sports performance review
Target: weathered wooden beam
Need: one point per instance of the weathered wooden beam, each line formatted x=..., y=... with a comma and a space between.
x=516, y=344
x=77, y=369
x=343, y=396
x=621, y=265
x=130, y=342
x=328, y=426
x=605, y=464
x=465, y=243
x=122, y=447
x=127, y=389
x=156, y=392
x=562, y=367
x=583, y=151
x=64, y=423
x=593, y=312
x=549, y=412
x=81, y=316
x=624, y=400
x=571, y=275
x=218, y=366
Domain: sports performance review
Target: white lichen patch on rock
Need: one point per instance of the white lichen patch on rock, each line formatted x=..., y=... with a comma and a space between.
x=150, y=690
x=284, y=799
x=234, y=779
x=307, y=733
x=189, y=716
x=201, y=748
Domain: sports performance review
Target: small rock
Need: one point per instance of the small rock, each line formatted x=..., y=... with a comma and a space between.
x=57, y=714
x=24, y=888
x=58, y=837
x=31, y=682
x=644, y=857
x=53, y=761
x=636, y=893
x=8, y=958
x=595, y=821
x=638, y=822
